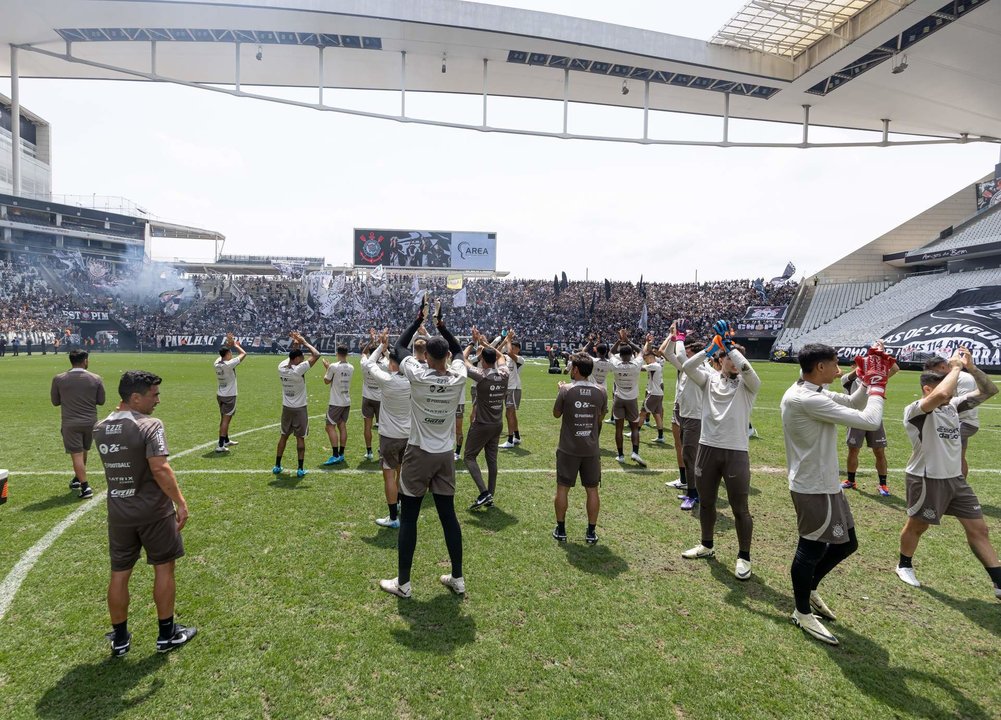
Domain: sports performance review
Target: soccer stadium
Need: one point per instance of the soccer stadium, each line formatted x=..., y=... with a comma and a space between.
x=766, y=525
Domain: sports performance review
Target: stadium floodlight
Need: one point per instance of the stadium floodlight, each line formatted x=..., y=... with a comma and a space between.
x=260, y=53
x=625, y=87
x=899, y=67
x=444, y=57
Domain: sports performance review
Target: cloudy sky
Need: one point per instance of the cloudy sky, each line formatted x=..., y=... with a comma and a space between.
x=284, y=180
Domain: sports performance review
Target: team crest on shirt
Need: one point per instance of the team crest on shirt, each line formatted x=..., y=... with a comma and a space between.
x=838, y=531
x=370, y=249
x=928, y=513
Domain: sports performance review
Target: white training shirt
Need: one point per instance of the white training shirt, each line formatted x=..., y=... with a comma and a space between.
x=370, y=388
x=339, y=374
x=225, y=374
x=394, y=413
x=514, y=371
x=655, y=378
x=433, y=399
x=602, y=366
x=627, y=377
x=935, y=438
x=964, y=386
x=726, y=402
x=810, y=419
x=687, y=394
x=293, y=383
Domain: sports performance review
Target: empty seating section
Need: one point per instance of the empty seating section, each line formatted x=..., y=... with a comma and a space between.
x=885, y=311
x=831, y=300
x=979, y=231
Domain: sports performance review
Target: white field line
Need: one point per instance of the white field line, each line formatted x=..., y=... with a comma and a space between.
x=12, y=583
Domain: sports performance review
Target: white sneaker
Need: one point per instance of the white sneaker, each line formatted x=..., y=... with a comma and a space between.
x=620, y=458
x=743, y=569
x=997, y=592
x=506, y=445
x=232, y=442
x=660, y=440
x=517, y=441
x=637, y=459
x=456, y=585
x=820, y=607
x=456, y=458
x=752, y=433
x=388, y=522
x=699, y=551
x=610, y=421
x=679, y=483
x=393, y=587
x=908, y=576
x=813, y=627
x=221, y=449
x=368, y=456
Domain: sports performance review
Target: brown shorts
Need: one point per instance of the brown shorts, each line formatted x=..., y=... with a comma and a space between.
x=369, y=408
x=423, y=471
x=654, y=404
x=160, y=538
x=691, y=432
x=625, y=410
x=337, y=414
x=966, y=431
x=928, y=499
x=227, y=405
x=295, y=421
x=713, y=464
x=873, y=438
x=391, y=451
x=513, y=399
x=569, y=466
x=824, y=518
x=78, y=439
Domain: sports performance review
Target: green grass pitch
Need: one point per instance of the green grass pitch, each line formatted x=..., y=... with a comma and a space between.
x=281, y=577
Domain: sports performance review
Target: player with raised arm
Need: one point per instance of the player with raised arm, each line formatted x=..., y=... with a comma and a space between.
x=371, y=399
x=295, y=416
x=969, y=419
x=581, y=405
x=394, y=424
x=686, y=423
x=338, y=377
x=810, y=418
x=146, y=510
x=627, y=365
x=511, y=347
x=429, y=461
x=490, y=382
x=727, y=399
x=77, y=393
x=225, y=373
x=875, y=439
x=936, y=485
x=653, y=404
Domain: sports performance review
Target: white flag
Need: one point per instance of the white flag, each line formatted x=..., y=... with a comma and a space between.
x=644, y=319
x=459, y=299
x=415, y=290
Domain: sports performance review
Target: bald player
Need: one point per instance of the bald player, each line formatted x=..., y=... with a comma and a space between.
x=77, y=393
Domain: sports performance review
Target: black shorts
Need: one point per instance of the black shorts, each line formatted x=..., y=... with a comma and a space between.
x=161, y=539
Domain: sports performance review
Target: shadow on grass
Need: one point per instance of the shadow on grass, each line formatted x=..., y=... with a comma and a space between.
x=492, y=518
x=516, y=450
x=101, y=690
x=385, y=539
x=436, y=626
x=212, y=454
x=745, y=594
x=55, y=501
x=983, y=613
x=991, y=511
x=594, y=559
x=868, y=666
x=288, y=482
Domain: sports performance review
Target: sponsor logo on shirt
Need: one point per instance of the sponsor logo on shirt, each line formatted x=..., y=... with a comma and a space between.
x=434, y=421
x=121, y=492
x=112, y=429
x=115, y=466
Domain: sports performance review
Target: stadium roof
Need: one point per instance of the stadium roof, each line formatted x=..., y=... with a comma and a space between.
x=842, y=58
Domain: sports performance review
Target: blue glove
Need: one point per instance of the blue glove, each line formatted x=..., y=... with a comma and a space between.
x=722, y=328
x=715, y=345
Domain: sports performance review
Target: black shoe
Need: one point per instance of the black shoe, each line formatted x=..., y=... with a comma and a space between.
x=591, y=537
x=481, y=500
x=74, y=484
x=119, y=649
x=86, y=493
x=489, y=503
x=559, y=535
x=180, y=637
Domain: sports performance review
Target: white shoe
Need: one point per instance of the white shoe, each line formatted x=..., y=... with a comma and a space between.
x=456, y=458
x=368, y=456
x=506, y=445
x=221, y=449
x=609, y=421
x=743, y=569
x=813, y=627
x=637, y=459
x=679, y=483
x=517, y=441
x=388, y=522
x=820, y=607
x=456, y=585
x=232, y=442
x=699, y=551
x=660, y=440
x=752, y=433
x=393, y=587
x=908, y=576
x=621, y=458
x=997, y=592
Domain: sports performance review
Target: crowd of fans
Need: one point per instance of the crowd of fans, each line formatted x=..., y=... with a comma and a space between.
x=268, y=306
